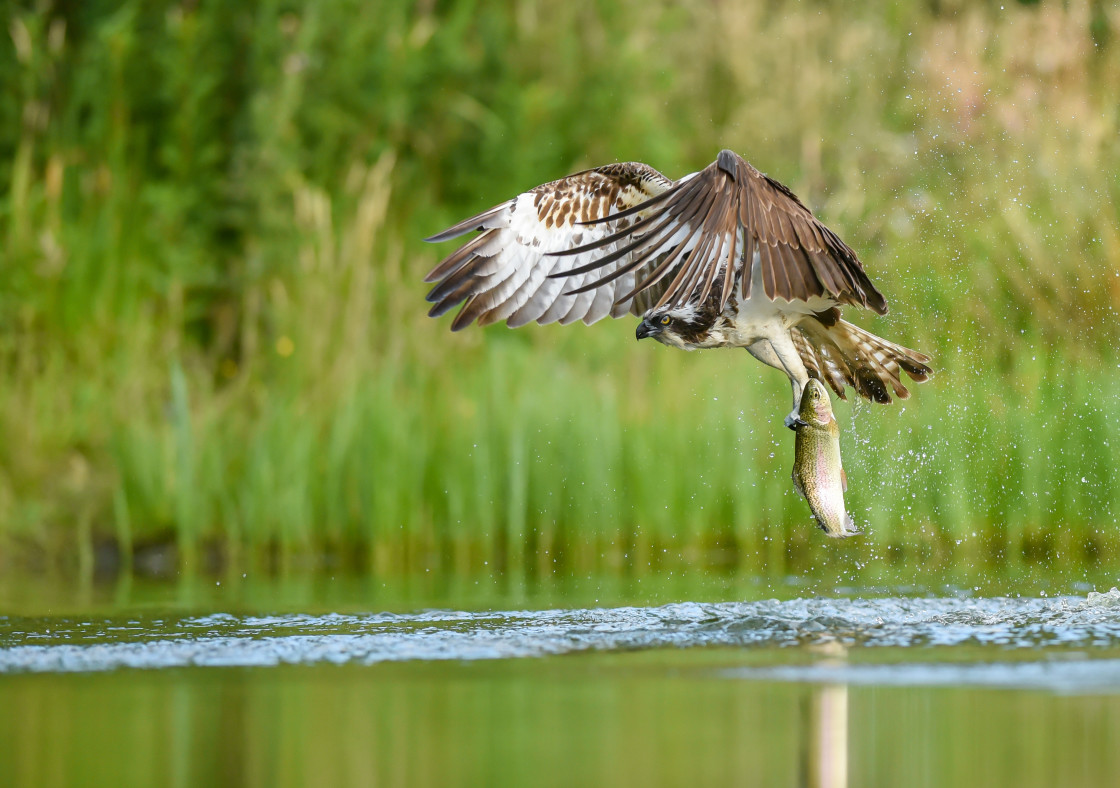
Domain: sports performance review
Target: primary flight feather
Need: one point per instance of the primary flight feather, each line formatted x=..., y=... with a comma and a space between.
x=724, y=257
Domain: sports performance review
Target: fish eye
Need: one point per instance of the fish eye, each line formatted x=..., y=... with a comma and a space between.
x=665, y=320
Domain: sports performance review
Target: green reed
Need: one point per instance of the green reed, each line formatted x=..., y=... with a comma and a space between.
x=211, y=320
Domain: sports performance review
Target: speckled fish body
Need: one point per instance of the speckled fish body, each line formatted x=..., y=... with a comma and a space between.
x=818, y=473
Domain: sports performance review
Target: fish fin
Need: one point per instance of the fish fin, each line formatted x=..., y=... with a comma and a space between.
x=850, y=525
x=797, y=484
x=843, y=479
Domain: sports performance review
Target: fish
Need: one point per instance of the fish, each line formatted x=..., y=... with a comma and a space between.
x=818, y=474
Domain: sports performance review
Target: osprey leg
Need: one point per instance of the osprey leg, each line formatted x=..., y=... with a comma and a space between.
x=781, y=353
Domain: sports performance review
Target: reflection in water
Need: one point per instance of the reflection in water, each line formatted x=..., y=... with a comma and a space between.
x=642, y=719
x=828, y=732
x=825, y=727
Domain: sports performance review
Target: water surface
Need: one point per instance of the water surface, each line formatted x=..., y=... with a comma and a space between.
x=858, y=688
x=1065, y=629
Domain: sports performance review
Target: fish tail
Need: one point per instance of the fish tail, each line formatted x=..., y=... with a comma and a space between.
x=850, y=526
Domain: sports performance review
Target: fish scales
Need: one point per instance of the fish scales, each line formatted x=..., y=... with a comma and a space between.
x=818, y=473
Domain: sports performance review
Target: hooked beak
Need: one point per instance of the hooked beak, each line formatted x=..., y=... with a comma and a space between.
x=647, y=329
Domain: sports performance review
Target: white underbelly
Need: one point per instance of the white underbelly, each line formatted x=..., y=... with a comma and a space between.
x=759, y=317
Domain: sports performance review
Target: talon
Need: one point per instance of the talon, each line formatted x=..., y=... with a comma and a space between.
x=795, y=423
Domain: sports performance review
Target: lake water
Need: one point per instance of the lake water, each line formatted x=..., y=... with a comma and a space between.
x=353, y=683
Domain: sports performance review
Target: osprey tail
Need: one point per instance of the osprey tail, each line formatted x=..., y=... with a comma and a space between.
x=842, y=355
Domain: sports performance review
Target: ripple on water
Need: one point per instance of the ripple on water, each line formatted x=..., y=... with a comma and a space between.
x=1049, y=627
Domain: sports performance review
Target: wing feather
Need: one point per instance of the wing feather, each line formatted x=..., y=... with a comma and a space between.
x=623, y=236
x=504, y=272
x=657, y=274
x=800, y=258
x=579, y=308
x=537, y=304
x=600, y=306
x=484, y=221
x=478, y=246
x=557, y=310
x=526, y=281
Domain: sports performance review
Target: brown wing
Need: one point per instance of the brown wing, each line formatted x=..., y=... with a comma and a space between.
x=731, y=211
x=511, y=271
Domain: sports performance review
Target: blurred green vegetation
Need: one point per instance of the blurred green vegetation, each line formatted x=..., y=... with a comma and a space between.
x=212, y=327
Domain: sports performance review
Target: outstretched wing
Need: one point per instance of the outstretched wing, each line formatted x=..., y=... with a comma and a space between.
x=510, y=271
x=731, y=211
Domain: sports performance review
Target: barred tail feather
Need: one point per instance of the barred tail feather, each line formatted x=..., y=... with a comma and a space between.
x=844, y=355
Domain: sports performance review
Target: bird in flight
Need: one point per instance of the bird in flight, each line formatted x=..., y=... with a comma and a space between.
x=724, y=257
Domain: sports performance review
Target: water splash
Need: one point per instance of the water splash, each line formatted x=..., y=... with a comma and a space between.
x=1003, y=628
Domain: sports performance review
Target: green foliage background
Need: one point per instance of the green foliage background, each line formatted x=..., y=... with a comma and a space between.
x=212, y=326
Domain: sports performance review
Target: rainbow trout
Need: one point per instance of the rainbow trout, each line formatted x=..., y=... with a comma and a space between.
x=817, y=473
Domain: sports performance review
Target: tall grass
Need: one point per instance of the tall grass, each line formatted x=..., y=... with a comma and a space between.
x=211, y=321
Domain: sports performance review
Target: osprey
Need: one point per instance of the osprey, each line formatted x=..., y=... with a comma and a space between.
x=724, y=257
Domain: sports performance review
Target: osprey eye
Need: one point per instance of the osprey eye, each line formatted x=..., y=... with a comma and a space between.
x=665, y=320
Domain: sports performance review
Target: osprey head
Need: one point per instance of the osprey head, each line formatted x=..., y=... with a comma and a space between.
x=675, y=326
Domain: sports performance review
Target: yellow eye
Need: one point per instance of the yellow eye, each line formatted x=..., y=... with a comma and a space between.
x=666, y=320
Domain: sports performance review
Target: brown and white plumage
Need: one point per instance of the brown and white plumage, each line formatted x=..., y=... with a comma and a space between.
x=726, y=257
x=505, y=273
